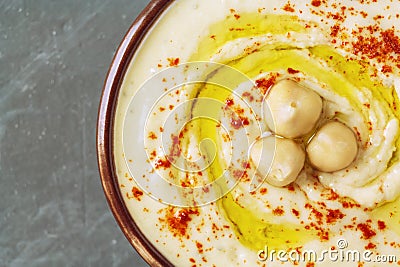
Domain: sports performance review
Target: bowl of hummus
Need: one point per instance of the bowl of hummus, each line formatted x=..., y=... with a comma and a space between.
x=249, y=133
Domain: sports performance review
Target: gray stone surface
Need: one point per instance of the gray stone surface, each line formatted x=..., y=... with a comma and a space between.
x=54, y=56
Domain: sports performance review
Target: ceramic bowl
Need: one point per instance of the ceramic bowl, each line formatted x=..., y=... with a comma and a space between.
x=105, y=123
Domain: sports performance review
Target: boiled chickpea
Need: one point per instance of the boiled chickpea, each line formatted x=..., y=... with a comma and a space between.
x=334, y=147
x=292, y=110
x=279, y=160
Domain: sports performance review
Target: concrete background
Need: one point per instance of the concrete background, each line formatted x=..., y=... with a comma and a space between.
x=54, y=56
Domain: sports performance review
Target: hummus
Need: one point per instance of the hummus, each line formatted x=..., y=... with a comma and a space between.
x=346, y=53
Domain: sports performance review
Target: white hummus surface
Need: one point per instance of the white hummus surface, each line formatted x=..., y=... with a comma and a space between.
x=208, y=238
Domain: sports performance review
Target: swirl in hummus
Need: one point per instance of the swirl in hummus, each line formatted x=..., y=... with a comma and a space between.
x=352, y=81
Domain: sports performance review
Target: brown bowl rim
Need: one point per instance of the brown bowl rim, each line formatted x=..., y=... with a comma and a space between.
x=104, y=133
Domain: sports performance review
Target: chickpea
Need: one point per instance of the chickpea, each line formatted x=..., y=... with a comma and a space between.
x=279, y=160
x=334, y=147
x=291, y=110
